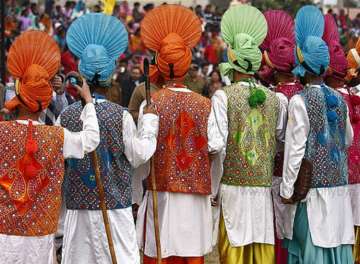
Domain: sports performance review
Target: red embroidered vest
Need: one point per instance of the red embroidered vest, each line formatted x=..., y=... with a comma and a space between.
x=30, y=185
x=353, y=103
x=181, y=159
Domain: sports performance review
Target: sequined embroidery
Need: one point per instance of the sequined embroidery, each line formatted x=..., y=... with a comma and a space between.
x=80, y=185
x=325, y=146
x=30, y=202
x=181, y=159
x=251, y=142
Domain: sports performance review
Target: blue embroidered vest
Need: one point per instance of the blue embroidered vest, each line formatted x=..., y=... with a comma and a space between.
x=325, y=146
x=79, y=184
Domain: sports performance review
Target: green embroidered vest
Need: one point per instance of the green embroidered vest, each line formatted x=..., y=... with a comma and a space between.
x=251, y=142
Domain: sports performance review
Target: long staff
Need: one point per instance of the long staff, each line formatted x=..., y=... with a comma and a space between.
x=103, y=208
x=152, y=173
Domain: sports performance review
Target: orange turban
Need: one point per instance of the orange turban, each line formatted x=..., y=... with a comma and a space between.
x=171, y=31
x=34, y=59
x=353, y=59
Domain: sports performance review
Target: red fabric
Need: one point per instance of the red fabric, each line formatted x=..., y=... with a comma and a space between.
x=181, y=160
x=211, y=54
x=175, y=260
x=30, y=178
x=281, y=253
x=354, y=149
x=68, y=61
x=289, y=89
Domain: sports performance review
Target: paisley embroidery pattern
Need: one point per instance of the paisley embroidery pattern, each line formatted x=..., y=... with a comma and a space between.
x=30, y=185
x=251, y=142
x=80, y=185
x=181, y=158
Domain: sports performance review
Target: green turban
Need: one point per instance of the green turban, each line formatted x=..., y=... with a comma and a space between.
x=243, y=29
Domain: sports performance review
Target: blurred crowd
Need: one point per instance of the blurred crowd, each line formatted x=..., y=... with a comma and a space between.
x=203, y=76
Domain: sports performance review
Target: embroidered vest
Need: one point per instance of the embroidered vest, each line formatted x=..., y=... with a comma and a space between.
x=251, y=144
x=354, y=149
x=79, y=184
x=30, y=202
x=325, y=146
x=181, y=159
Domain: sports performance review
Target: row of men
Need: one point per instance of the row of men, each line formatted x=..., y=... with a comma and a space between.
x=213, y=161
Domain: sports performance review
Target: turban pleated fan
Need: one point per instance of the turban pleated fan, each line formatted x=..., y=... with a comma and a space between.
x=97, y=40
x=338, y=62
x=171, y=31
x=311, y=53
x=243, y=29
x=33, y=60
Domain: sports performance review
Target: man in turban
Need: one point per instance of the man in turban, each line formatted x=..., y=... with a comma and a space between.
x=318, y=226
x=252, y=120
x=32, y=164
x=98, y=40
x=187, y=133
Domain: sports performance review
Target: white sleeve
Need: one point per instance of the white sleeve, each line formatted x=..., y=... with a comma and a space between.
x=220, y=104
x=77, y=144
x=140, y=144
x=282, y=118
x=297, y=131
x=215, y=141
x=349, y=131
x=219, y=107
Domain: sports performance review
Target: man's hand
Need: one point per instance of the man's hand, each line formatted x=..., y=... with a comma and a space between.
x=57, y=84
x=84, y=92
x=150, y=109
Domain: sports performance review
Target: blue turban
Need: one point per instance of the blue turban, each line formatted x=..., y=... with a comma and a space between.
x=311, y=53
x=97, y=40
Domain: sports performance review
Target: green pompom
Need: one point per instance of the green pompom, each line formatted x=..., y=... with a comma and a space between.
x=253, y=101
x=260, y=96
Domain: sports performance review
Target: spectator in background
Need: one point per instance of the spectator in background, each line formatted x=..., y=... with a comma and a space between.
x=25, y=20
x=213, y=51
x=206, y=70
x=194, y=81
x=214, y=83
x=59, y=35
x=128, y=85
x=136, y=45
x=136, y=13
x=198, y=11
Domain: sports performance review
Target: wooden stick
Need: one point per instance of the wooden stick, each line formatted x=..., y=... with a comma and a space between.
x=100, y=186
x=152, y=174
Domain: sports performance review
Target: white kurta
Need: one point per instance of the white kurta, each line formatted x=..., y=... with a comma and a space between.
x=85, y=239
x=354, y=189
x=329, y=209
x=185, y=220
x=247, y=211
x=40, y=250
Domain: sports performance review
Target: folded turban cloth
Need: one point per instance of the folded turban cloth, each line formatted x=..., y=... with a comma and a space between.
x=34, y=58
x=97, y=40
x=243, y=29
x=280, y=41
x=338, y=62
x=311, y=53
x=170, y=31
